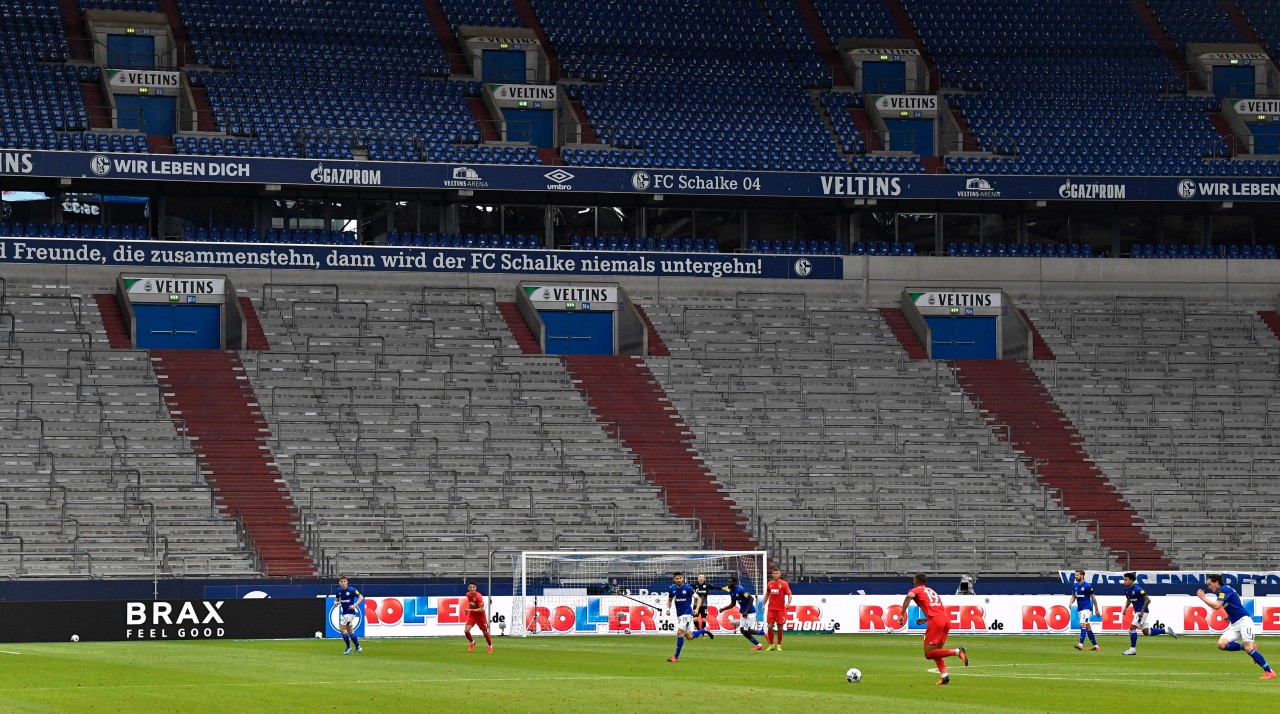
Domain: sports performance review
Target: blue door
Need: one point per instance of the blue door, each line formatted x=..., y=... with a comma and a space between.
x=532, y=125
x=910, y=135
x=503, y=66
x=153, y=115
x=962, y=337
x=1233, y=81
x=131, y=52
x=578, y=333
x=1266, y=138
x=884, y=77
x=179, y=327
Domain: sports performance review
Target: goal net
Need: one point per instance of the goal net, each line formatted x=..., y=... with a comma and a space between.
x=587, y=593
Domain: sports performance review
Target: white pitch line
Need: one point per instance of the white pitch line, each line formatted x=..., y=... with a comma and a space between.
x=311, y=683
x=8, y=652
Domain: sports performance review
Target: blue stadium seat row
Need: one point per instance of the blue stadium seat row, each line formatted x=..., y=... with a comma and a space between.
x=1020, y=250
x=74, y=230
x=795, y=247
x=661, y=245
x=1226, y=252
x=464, y=240
x=297, y=236
x=880, y=247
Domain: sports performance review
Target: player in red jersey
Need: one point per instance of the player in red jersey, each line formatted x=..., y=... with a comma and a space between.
x=777, y=598
x=937, y=625
x=476, y=616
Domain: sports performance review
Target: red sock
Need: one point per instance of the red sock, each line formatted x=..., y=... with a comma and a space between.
x=940, y=653
x=487, y=638
x=942, y=666
x=779, y=635
x=468, y=635
x=768, y=636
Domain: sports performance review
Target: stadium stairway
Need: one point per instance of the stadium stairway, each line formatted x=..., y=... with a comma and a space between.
x=1010, y=395
x=822, y=43
x=208, y=391
x=627, y=400
x=908, y=30
x=444, y=33
x=657, y=347
x=1241, y=23
x=1040, y=350
x=897, y=322
x=73, y=26
x=1165, y=42
x=256, y=338
x=113, y=321
x=1272, y=320
x=530, y=19
x=525, y=338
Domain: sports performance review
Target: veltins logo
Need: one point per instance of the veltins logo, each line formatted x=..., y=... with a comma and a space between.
x=1187, y=188
x=100, y=165
x=803, y=267
x=641, y=181
x=560, y=180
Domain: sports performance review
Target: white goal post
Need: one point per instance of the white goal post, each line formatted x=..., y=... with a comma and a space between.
x=618, y=592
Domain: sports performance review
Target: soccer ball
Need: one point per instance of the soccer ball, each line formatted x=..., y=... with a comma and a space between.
x=319, y=635
x=627, y=631
x=854, y=675
x=75, y=638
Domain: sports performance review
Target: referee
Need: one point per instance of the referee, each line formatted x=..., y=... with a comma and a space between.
x=700, y=588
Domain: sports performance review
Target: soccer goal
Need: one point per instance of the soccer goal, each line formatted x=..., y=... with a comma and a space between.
x=584, y=592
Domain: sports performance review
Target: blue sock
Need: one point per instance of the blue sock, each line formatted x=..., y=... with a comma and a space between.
x=346, y=640
x=1157, y=631
x=1082, y=631
x=697, y=633
x=1133, y=638
x=355, y=640
x=1262, y=661
x=1092, y=639
x=754, y=641
x=1233, y=647
x=679, y=646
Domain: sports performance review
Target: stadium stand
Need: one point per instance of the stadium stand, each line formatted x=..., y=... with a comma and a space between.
x=1178, y=419
x=96, y=481
x=1190, y=21
x=410, y=429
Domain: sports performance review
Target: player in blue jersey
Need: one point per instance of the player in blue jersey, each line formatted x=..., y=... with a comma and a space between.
x=1086, y=604
x=1239, y=634
x=686, y=601
x=746, y=604
x=1136, y=597
x=348, y=599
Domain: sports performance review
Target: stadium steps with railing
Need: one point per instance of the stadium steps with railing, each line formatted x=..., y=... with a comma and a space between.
x=627, y=399
x=524, y=337
x=209, y=394
x=907, y=29
x=1240, y=22
x=1010, y=396
x=530, y=19
x=73, y=26
x=589, y=135
x=1039, y=348
x=1272, y=320
x=254, y=335
x=1166, y=43
x=897, y=322
x=823, y=44
x=444, y=33
x=657, y=346
x=113, y=321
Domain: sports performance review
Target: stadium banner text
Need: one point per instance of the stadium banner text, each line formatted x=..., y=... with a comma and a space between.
x=175, y=254
x=582, y=179
x=1193, y=578
x=429, y=616
x=122, y=620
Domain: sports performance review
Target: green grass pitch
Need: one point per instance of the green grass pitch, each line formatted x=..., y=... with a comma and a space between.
x=629, y=674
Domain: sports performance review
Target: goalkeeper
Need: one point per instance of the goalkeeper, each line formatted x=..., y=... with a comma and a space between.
x=746, y=604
